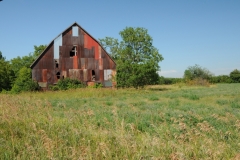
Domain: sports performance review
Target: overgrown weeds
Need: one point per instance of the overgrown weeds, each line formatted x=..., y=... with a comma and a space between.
x=88, y=123
x=198, y=82
x=67, y=83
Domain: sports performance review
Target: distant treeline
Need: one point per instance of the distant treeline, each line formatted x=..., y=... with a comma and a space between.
x=213, y=79
x=16, y=76
x=164, y=80
x=223, y=79
x=197, y=75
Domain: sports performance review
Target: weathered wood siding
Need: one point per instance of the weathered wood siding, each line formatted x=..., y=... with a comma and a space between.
x=80, y=57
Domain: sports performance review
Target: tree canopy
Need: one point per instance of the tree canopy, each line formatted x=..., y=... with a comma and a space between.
x=24, y=81
x=137, y=59
x=1, y=56
x=7, y=75
x=25, y=61
x=196, y=71
x=10, y=71
x=111, y=45
x=235, y=76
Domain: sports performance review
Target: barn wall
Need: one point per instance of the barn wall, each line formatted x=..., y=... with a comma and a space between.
x=80, y=57
x=43, y=70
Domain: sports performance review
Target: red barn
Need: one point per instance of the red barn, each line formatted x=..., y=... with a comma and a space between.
x=74, y=54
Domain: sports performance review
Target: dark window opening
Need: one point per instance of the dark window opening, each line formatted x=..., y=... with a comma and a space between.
x=93, y=75
x=58, y=75
x=56, y=64
x=73, y=52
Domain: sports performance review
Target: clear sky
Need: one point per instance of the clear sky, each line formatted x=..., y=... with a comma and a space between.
x=186, y=32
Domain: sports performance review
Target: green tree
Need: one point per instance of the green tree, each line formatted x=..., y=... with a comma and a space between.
x=24, y=81
x=26, y=61
x=137, y=59
x=9, y=70
x=6, y=78
x=221, y=79
x=111, y=45
x=19, y=62
x=38, y=50
x=1, y=56
x=194, y=72
x=235, y=76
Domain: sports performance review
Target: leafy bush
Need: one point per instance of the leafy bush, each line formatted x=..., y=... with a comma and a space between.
x=235, y=76
x=196, y=75
x=136, y=75
x=67, y=83
x=197, y=72
x=24, y=81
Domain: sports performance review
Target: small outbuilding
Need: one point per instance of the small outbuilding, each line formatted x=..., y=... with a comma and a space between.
x=74, y=54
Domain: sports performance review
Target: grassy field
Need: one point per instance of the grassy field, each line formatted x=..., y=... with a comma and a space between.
x=158, y=122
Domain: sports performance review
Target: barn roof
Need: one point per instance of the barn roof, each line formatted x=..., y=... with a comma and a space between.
x=74, y=24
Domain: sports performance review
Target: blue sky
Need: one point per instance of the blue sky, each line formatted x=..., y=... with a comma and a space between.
x=186, y=32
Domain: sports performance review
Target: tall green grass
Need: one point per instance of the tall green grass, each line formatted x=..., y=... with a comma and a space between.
x=158, y=122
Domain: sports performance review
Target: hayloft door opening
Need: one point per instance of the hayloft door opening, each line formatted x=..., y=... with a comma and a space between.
x=93, y=75
x=73, y=52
